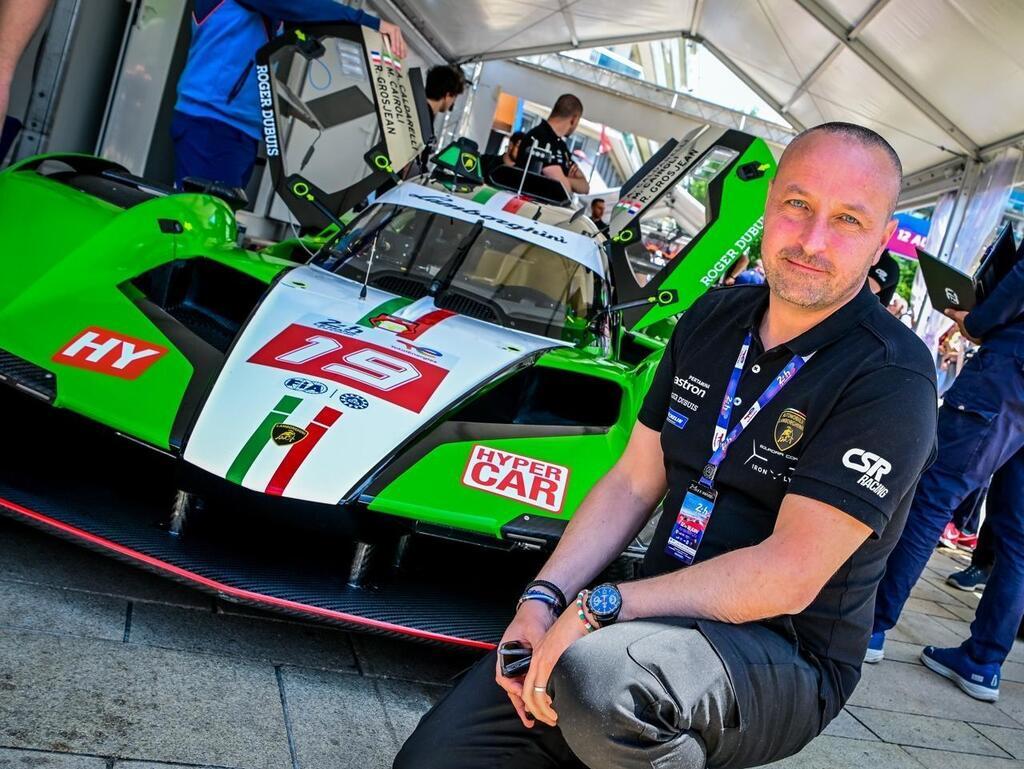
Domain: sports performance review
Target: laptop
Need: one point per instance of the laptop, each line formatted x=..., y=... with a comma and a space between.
x=951, y=288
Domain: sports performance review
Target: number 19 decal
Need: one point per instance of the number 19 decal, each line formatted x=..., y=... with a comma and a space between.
x=388, y=374
x=382, y=371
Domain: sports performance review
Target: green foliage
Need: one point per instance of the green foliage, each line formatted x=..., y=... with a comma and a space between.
x=908, y=270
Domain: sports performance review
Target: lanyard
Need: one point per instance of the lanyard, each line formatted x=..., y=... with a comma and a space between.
x=722, y=438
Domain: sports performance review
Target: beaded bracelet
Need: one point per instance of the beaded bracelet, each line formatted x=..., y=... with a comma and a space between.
x=581, y=613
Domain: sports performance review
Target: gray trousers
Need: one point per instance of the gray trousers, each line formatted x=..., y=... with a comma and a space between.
x=650, y=693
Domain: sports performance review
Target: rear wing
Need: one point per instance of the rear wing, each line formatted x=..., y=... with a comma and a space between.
x=339, y=79
x=737, y=169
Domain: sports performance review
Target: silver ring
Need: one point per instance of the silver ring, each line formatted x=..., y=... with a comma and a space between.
x=541, y=689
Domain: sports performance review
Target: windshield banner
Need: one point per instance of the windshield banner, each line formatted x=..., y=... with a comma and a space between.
x=571, y=245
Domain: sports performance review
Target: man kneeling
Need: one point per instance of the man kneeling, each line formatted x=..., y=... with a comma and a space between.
x=785, y=428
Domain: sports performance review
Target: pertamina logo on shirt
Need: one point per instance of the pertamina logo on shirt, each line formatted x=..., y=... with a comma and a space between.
x=872, y=466
x=523, y=479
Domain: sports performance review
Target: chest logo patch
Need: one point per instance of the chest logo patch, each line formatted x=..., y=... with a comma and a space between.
x=789, y=429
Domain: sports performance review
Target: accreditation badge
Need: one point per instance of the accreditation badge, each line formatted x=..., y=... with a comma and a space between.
x=691, y=522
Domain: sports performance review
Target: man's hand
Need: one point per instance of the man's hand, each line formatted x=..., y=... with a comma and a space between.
x=393, y=34
x=959, y=316
x=529, y=626
x=560, y=637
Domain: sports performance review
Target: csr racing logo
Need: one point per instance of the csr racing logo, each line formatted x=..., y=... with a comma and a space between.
x=872, y=466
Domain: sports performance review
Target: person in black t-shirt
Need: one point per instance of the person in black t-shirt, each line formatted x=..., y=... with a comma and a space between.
x=597, y=215
x=547, y=139
x=767, y=435
x=444, y=85
x=508, y=158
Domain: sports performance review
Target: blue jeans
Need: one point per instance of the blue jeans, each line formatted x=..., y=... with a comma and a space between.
x=211, y=150
x=981, y=430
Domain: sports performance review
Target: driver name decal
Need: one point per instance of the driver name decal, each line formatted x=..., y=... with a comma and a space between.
x=516, y=477
x=268, y=121
x=386, y=373
x=111, y=353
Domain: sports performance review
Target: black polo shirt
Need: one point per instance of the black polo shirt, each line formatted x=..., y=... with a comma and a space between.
x=854, y=429
x=545, y=136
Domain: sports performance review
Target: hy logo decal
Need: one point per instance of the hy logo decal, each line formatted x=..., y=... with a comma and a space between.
x=111, y=353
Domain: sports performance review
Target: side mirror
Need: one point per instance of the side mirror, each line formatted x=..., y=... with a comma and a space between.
x=663, y=298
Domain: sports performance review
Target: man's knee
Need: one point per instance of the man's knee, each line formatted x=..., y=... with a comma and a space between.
x=607, y=701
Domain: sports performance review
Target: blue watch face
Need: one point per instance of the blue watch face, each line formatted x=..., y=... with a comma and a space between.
x=605, y=600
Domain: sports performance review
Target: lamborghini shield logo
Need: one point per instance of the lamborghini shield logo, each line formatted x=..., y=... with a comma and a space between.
x=789, y=429
x=286, y=435
x=468, y=161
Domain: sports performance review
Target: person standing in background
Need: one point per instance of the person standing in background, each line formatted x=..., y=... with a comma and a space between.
x=216, y=123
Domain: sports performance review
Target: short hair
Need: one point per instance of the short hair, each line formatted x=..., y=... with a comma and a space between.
x=596, y=200
x=857, y=133
x=444, y=80
x=567, y=105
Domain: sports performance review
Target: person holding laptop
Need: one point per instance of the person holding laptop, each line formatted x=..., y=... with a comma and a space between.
x=981, y=431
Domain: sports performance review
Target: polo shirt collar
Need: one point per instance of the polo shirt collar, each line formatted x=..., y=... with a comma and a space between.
x=827, y=331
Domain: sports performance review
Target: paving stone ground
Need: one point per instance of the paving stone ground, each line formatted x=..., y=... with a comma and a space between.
x=106, y=667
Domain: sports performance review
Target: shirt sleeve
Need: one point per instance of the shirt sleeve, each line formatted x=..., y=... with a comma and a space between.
x=1004, y=304
x=871, y=450
x=312, y=10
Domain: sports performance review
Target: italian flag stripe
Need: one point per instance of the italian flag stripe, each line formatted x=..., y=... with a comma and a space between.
x=260, y=438
x=426, y=323
x=299, y=451
x=387, y=308
x=514, y=204
x=485, y=194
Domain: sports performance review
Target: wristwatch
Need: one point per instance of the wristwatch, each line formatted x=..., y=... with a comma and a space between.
x=604, y=603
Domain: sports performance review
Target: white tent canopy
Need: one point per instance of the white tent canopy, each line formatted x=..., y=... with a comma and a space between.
x=938, y=78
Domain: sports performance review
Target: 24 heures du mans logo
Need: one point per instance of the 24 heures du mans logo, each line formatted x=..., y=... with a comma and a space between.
x=872, y=466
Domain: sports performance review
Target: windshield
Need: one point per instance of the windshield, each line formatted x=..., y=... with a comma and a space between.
x=471, y=270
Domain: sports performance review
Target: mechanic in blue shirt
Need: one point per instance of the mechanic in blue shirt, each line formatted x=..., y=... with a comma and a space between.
x=216, y=124
x=981, y=430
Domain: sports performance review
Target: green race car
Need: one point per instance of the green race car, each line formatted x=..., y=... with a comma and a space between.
x=464, y=359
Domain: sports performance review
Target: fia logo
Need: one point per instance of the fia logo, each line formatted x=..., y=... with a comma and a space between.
x=305, y=386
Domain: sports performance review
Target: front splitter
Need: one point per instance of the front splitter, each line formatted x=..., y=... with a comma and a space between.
x=78, y=481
